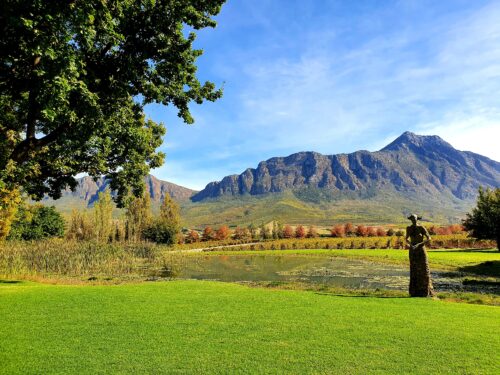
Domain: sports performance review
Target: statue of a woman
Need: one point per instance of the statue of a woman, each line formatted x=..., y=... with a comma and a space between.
x=420, y=275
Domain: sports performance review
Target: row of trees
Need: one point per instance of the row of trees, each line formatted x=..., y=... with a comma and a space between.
x=277, y=230
x=138, y=224
x=35, y=222
x=264, y=232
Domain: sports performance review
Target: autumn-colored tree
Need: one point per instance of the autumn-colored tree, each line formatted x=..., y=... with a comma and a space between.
x=222, y=233
x=300, y=231
x=277, y=230
x=81, y=226
x=103, y=217
x=371, y=232
x=10, y=199
x=381, y=232
x=349, y=229
x=444, y=231
x=456, y=228
x=361, y=231
x=138, y=217
x=241, y=233
x=265, y=232
x=288, y=231
x=312, y=232
x=119, y=231
x=208, y=234
x=253, y=232
x=338, y=231
x=192, y=236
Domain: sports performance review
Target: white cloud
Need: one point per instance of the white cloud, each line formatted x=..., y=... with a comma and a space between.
x=477, y=134
x=327, y=101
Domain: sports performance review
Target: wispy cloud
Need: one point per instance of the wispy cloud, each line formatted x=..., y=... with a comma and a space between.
x=315, y=78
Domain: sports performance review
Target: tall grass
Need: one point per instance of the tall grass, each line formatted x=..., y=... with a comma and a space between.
x=57, y=257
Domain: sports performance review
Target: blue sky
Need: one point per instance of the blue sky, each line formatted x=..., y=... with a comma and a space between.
x=337, y=76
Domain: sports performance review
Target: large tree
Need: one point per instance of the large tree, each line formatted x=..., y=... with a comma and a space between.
x=484, y=220
x=74, y=79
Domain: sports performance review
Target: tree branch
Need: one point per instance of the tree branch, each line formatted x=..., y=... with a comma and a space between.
x=23, y=149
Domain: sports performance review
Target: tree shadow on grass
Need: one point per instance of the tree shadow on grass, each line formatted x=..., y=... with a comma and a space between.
x=488, y=268
x=367, y=295
x=10, y=281
x=478, y=250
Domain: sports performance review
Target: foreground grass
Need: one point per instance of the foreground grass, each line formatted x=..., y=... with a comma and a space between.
x=208, y=327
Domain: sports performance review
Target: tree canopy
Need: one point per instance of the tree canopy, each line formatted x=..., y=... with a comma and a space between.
x=484, y=220
x=74, y=79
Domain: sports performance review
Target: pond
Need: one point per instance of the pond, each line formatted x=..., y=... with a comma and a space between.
x=333, y=271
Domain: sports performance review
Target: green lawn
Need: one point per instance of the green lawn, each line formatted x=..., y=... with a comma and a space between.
x=209, y=327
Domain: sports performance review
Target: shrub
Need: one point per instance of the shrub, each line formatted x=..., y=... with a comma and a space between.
x=37, y=222
x=161, y=231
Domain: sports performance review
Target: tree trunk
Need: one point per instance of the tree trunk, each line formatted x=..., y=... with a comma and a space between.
x=420, y=275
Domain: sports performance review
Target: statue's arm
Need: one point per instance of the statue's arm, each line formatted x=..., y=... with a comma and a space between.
x=427, y=236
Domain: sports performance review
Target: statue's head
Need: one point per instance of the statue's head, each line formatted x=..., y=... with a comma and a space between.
x=414, y=218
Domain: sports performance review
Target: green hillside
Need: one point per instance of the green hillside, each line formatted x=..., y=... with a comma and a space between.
x=314, y=206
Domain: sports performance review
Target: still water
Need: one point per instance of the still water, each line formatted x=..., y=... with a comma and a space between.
x=334, y=271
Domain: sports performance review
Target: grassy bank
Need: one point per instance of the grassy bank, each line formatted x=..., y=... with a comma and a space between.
x=206, y=327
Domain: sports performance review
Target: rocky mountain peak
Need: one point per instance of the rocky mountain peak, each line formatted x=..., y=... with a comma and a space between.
x=412, y=141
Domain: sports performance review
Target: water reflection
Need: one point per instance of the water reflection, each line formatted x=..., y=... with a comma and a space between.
x=334, y=271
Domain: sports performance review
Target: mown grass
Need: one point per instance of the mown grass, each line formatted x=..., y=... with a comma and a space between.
x=217, y=328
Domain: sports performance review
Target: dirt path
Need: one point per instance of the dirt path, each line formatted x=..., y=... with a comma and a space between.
x=201, y=249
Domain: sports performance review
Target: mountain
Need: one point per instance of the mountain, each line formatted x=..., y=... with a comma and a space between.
x=413, y=173
x=87, y=190
x=422, y=165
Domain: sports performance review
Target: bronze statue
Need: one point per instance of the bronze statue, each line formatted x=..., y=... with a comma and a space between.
x=420, y=276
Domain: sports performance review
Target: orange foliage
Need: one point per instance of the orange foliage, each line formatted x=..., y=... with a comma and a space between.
x=288, y=231
x=222, y=233
x=300, y=232
x=338, y=231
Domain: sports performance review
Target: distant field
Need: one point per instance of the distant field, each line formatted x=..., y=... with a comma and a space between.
x=208, y=327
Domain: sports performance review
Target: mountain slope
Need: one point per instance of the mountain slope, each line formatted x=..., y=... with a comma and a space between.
x=87, y=190
x=412, y=164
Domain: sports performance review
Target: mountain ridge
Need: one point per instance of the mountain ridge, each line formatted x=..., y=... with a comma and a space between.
x=88, y=189
x=423, y=165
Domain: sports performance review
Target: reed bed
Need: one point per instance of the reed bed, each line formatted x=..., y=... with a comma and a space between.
x=58, y=257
